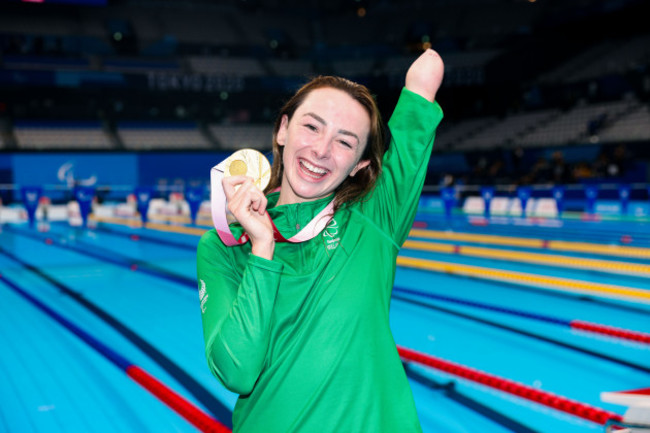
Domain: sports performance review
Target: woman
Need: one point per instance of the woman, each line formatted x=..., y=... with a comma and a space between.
x=301, y=330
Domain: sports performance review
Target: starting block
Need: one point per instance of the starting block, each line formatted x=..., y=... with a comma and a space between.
x=637, y=416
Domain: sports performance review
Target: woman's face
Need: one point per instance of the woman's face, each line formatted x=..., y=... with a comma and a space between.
x=323, y=143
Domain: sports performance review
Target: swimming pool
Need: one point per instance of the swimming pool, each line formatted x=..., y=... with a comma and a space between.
x=120, y=297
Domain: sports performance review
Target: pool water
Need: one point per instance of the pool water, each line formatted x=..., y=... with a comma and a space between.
x=134, y=291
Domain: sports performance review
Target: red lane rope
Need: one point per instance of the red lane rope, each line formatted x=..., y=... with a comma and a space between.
x=191, y=413
x=582, y=410
x=187, y=410
x=611, y=331
x=592, y=327
x=640, y=391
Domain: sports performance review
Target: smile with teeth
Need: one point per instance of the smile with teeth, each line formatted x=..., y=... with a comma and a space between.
x=312, y=170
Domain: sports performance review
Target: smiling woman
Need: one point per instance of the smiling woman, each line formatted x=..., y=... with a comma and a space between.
x=346, y=111
x=286, y=323
x=323, y=144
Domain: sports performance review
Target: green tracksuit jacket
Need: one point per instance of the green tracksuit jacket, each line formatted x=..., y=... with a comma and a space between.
x=305, y=338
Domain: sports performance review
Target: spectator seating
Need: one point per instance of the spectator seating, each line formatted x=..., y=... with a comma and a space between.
x=208, y=27
x=285, y=29
x=354, y=67
x=233, y=137
x=506, y=130
x=623, y=120
x=150, y=136
x=245, y=67
x=578, y=62
x=449, y=137
x=291, y=68
x=398, y=65
x=45, y=63
x=142, y=66
x=625, y=56
x=340, y=30
x=35, y=135
x=633, y=126
x=608, y=57
x=572, y=126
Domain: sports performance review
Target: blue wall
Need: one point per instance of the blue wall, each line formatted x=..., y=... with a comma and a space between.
x=58, y=172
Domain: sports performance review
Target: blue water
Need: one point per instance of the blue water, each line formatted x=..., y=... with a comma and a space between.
x=52, y=381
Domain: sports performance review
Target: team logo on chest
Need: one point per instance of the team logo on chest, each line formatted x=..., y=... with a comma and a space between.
x=331, y=235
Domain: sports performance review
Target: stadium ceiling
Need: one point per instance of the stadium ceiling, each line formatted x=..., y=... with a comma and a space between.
x=555, y=9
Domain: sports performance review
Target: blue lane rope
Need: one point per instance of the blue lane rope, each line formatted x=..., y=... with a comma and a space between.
x=114, y=258
x=483, y=306
x=450, y=391
x=161, y=391
x=191, y=283
x=539, y=337
x=117, y=359
x=216, y=407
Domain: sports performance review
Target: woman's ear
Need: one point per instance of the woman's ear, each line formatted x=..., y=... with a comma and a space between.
x=281, y=135
x=360, y=166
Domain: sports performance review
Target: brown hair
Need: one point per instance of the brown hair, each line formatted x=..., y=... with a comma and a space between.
x=354, y=187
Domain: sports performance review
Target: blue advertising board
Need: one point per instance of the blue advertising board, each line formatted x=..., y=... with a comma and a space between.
x=181, y=169
x=59, y=173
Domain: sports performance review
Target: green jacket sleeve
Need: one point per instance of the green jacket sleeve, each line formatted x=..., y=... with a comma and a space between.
x=412, y=126
x=236, y=310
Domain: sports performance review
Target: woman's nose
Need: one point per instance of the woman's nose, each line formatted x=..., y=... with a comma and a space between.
x=322, y=147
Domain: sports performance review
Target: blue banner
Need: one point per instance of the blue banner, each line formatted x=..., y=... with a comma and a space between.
x=487, y=192
x=524, y=192
x=448, y=195
x=67, y=171
x=177, y=169
x=591, y=194
x=31, y=196
x=84, y=196
x=624, y=196
x=558, y=195
x=143, y=197
x=194, y=197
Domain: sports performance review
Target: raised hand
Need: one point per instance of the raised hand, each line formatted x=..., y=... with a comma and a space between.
x=425, y=75
x=247, y=204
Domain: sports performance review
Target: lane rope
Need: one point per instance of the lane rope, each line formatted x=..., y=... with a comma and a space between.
x=449, y=390
x=563, y=404
x=158, y=389
x=629, y=294
x=518, y=330
x=217, y=409
x=627, y=334
x=537, y=258
x=582, y=247
x=557, y=402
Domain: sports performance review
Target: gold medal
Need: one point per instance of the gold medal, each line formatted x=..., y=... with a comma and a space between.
x=237, y=167
x=248, y=162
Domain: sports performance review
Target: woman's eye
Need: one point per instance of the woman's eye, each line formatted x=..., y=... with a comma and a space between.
x=345, y=143
x=311, y=127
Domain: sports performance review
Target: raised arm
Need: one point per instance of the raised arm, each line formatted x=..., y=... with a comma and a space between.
x=236, y=312
x=412, y=127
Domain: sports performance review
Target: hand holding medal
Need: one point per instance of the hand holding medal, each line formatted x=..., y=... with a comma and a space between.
x=251, y=164
x=237, y=184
